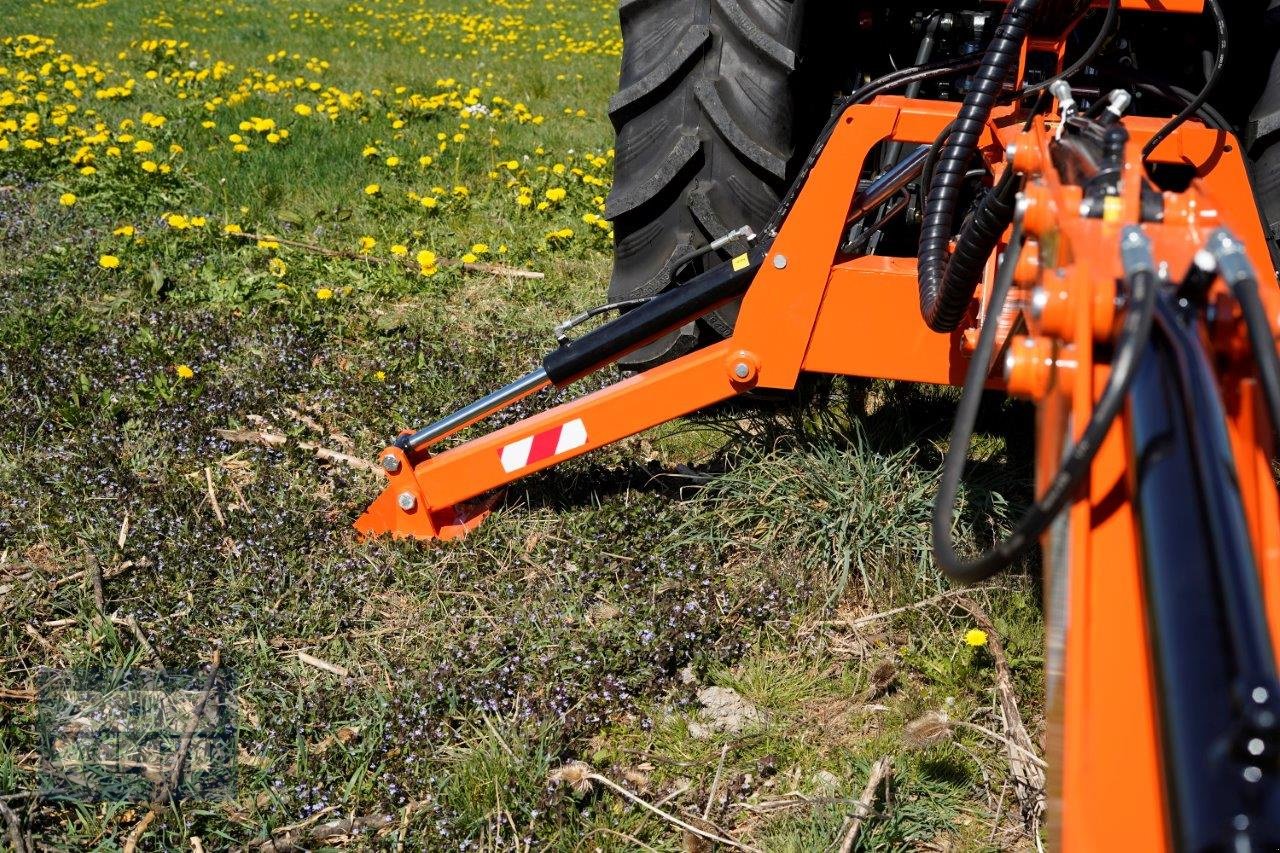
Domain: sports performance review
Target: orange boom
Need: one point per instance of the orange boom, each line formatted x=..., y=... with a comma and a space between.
x=1111, y=267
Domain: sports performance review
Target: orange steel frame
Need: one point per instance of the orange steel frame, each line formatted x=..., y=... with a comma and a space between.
x=806, y=312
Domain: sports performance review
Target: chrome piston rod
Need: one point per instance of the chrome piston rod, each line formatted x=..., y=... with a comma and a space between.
x=522, y=387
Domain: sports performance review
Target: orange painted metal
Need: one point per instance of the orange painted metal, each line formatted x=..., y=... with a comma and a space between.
x=807, y=310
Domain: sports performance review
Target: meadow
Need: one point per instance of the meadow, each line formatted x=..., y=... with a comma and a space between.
x=323, y=222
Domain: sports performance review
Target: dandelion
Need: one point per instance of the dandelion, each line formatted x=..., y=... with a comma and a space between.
x=277, y=267
x=124, y=231
x=425, y=160
x=975, y=637
x=268, y=244
x=480, y=248
x=324, y=293
x=392, y=161
x=183, y=371
x=469, y=258
x=556, y=194
x=373, y=189
x=426, y=262
x=399, y=250
x=429, y=202
x=380, y=375
x=142, y=146
x=108, y=262
x=67, y=199
x=302, y=109
x=367, y=244
x=149, y=166
x=232, y=228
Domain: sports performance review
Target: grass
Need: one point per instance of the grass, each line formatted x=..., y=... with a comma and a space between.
x=581, y=620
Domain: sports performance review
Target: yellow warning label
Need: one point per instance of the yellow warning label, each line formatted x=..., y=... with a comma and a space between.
x=1112, y=208
x=740, y=262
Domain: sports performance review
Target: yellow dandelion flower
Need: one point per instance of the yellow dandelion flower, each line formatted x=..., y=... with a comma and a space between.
x=429, y=202
x=108, y=262
x=67, y=199
x=178, y=222
x=277, y=267
x=367, y=244
x=324, y=293
x=426, y=262
x=380, y=375
x=399, y=250
x=142, y=146
x=480, y=248
x=392, y=161
x=425, y=160
x=183, y=371
x=555, y=194
x=302, y=109
x=373, y=189
x=232, y=228
x=149, y=166
x=469, y=258
x=975, y=637
x=124, y=231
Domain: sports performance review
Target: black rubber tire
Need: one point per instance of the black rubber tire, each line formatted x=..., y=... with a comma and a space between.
x=708, y=120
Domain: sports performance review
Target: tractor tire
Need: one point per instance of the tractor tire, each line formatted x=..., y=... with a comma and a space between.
x=708, y=120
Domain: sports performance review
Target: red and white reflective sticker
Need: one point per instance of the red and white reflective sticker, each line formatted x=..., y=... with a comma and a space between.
x=532, y=449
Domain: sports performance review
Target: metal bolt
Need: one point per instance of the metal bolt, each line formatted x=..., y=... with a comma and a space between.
x=391, y=463
x=780, y=262
x=1039, y=300
x=742, y=370
x=407, y=501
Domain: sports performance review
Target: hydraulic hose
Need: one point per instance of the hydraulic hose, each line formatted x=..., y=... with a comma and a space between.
x=1132, y=342
x=947, y=283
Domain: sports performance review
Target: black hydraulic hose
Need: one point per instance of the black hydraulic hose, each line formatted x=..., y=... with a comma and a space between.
x=946, y=288
x=1239, y=276
x=1134, y=334
x=1219, y=64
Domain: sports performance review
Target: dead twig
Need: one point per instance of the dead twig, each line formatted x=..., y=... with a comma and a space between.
x=854, y=624
x=95, y=577
x=1025, y=766
x=136, y=630
x=580, y=776
x=407, y=263
x=715, y=783
x=276, y=439
x=342, y=672
x=131, y=843
x=17, y=839
x=164, y=792
x=213, y=497
x=170, y=787
x=862, y=809
x=288, y=841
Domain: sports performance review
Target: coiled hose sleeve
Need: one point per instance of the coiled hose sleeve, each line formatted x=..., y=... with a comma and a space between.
x=947, y=282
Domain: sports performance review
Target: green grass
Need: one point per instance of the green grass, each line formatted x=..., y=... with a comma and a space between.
x=580, y=621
